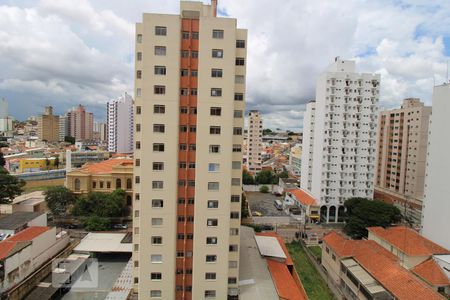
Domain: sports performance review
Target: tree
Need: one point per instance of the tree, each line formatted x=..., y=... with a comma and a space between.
x=267, y=131
x=247, y=178
x=47, y=163
x=10, y=187
x=96, y=223
x=59, y=199
x=2, y=160
x=362, y=213
x=108, y=205
x=56, y=162
x=69, y=139
x=264, y=189
x=265, y=177
x=244, y=207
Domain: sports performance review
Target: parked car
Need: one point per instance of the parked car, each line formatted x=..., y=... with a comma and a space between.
x=266, y=227
x=120, y=226
x=278, y=204
x=256, y=214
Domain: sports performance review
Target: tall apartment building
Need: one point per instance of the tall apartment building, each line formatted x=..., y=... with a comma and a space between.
x=5, y=120
x=436, y=205
x=120, y=124
x=189, y=87
x=48, y=126
x=295, y=159
x=254, y=141
x=307, y=146
x=401, y=158
x=63, y=127
x=101, y=132
x=80, y=123
x=344, y=138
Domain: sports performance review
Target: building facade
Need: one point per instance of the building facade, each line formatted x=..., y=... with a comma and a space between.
x=436, y=206
x=189, y=87
x=5, y=120
x=401, y=157
x=308, y=146
x=80, y=123
x=254, y=141
x=48, y=126
x=120, y=124
x=63, y=127
x=344, y=146
x=295, y=159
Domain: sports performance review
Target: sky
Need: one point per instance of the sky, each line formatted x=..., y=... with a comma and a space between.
x=65, y=52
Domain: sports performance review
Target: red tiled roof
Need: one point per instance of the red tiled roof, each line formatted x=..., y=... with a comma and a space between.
x=430, y=271
x=106, y=166
x=408, y=241
x=28, y=234
x=383, y=266
x=302, y=196
x=5, y=248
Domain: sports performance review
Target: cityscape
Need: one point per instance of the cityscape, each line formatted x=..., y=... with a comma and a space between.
x=215, y=170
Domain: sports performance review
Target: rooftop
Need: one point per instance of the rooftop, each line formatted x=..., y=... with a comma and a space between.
x=303, y=197
x=28, y=234
x=432, y=273
x=17, y=219
x=408, y=241
x=106, y=166
x=103, y=242
x=9, y=248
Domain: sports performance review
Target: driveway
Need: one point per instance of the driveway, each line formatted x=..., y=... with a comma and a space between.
x=264, y=203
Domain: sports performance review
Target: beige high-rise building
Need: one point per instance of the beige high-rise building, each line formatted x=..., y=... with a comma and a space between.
x=80, y=123
x=254, y=141
x=189, y=97
x=48, y=126
x=401, y=156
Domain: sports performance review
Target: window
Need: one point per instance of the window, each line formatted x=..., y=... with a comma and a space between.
x=183, y=147
x=194, y=73
x=94, y=184
x=210, y=294
x=183, y=128
x=155, y=276
x=108, y=184
x=213, y=204
x=129, y=184
x=184, y=92
x=156, y=240
x=118, y=183
x=234, y=231
x=182, y=165
x=157, y=203
x=139, y=38
x=180, y=236
x=155, y=293
x=192, y=165
x=158, y=166
x=158, y=147
x=240, y=61
x=185, y=35
x=159, y=109
x=159, y=89
x=139, y=56
x=138, y=74
x=213, y=167
x=217, y=53
x=195, y=35
x=183, y=110
x=160, y=30
x=212, y=222
x=138, y=110
x=210, y=276
x=238, y=114
x=191, y=183
x=214, y=130
x=193, y=92
x=216, y=72
x=160, y=50
x=156, y=258
x=192, y=147
x=239, y=79
x=233, y=248
x=211, y=240
x=184, y=53
x=181, y=182
x=137, y=196
x=160, y=70
x=237, y=148
x=232, y=264
x=101, y=184
x=217, y=34
x=236, y=165
x=138, y=92
x=211, y=258
x=159, y=128
x=192, y=128
x=138, y=145
x=215, y=111
x=213, y=186
x=216, y=92
x=234, y=215
x=214, y=148
x=157, y=221
x=237, y=130
x=181, y=201
x=235, y=198
x=240, y=43
x=184, y=72
x=157, y=184
x=238, y=97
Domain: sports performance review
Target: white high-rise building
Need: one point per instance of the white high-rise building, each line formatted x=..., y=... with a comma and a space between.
x=343, y=123
x=436, y=203
x=307, y=146
x=120, y=124
x=254, y=141
x=3, y=108
x=63, y=127
x=5, y=119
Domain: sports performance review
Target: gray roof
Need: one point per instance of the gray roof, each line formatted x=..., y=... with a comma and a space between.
x=17, y=220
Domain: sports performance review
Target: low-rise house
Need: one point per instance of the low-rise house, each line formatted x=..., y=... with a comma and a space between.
x=30, y=202
x=18, y=221
x=305, y=201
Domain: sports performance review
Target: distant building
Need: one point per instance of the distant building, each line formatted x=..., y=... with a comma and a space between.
x=37, y=164
x=401, y=157
x=5, y=119
x=300, y=198
x=308, y=146
x=48, y=126
x=79, y=158
x=80, y=123
x=295, y=159
x=436, y=204
x=63, y=127
x=100, y=131
x=254, y=141
x=343, y=153
x=120, y=124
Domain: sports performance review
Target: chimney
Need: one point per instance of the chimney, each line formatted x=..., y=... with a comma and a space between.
x=214, y=7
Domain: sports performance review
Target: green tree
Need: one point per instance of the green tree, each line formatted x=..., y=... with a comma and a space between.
x=247, y=178
x=69, y=139
x=265, y=177
x=264, y=189
x=10, y=186
x=96, y=223
x=362, y=213
x=267, y=131
x=47, y=163
x=57, y=162
x=59, y=199
x=244, y=208
x=107, y=205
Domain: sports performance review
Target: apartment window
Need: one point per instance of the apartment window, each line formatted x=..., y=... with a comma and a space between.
x=190, y=219
x=160, y=50
x=139, y=56
x=157, y=203
x=234, y=231
x=185, y=35
x=216, y=92
x=216, y=72
x=212, y=222
x=156, y=258
x=213, y=167
x=159, y=128
x=215, y=111
x=181, y=201
x=138, y=110
x=238, y=97
x=158, y=147
x=136, y=196
x=237, y=148
x=217, y=53
x=211, y=240
x=157, y=221
x=214, y=130
x=213, y=204
x=183, y=110
x=139, y=38
x=184, y=53
x=237, y=130
x=181, y=182
x=234, y=215
x=157, y=184
x=195, y=35
x=138, y=145
x=194, y=73
x=192, y=165
x=217, y=34
x=180, y=254
x=194, y=54
x=184, y=92
x=210, y=276
x=137, y=162
x=210, y=294
x=138, y=92
x=190, y=200
x=180, y=236
x=240, y=43
x=182, y=165
x=239, y=79
x=192, y=128
x=182, y=147
x=238, y=114
x=155, y=276
x=157, y=240
x=214, y=148
x=159, y=89
x=192, y=147
x=193, y=92
x=158, y=166
x=240, y=61
x=233, y=248
x=232, y=264
x=236, y=165
x=191, y=183
x=108, y=185
x=235, y=198
x=155, y=294
x=139, y=74
x=159, y=109
x=211, y=258
x=184, y=72
x=160, y=30
x=213, y=186
x=183, y=128
x=160, y=70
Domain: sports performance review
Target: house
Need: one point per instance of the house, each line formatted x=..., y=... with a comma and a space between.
x=305, y=201
x=20, y=220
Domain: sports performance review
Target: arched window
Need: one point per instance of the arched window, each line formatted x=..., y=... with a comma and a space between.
x=323, y=214
x=129, y=184
x=118, y=183
x=77, y=184
x=332, y=214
